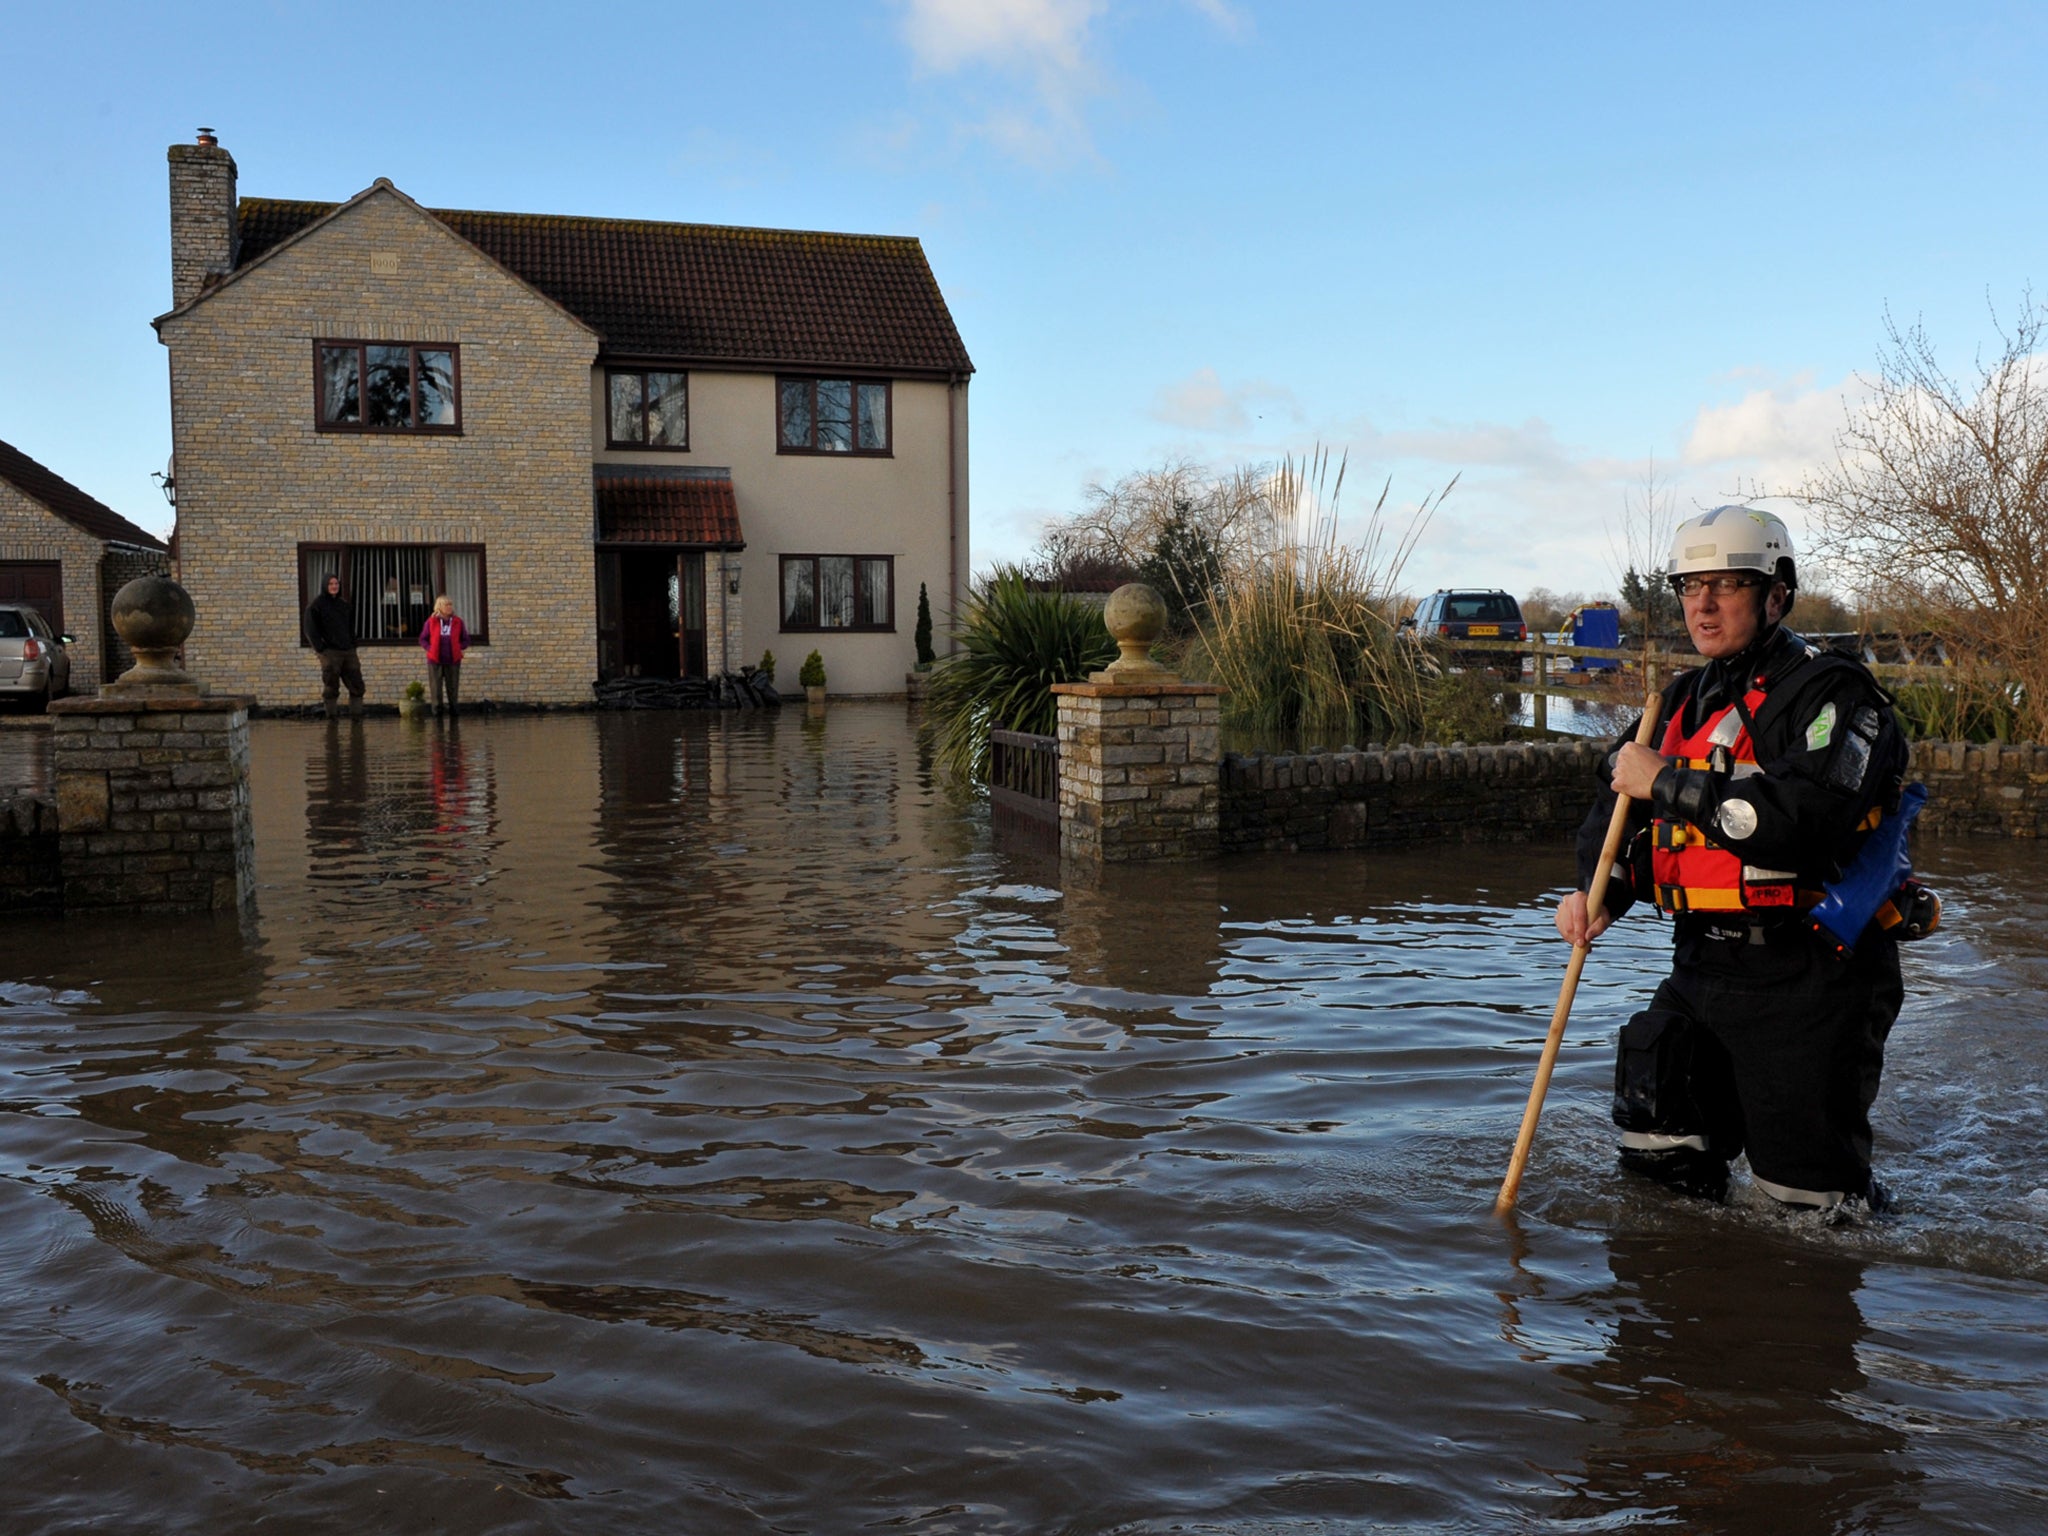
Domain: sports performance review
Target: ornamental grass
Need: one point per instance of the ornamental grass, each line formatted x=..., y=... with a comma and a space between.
x=1304, y=635
x=1971, y=702
x=1014, y=644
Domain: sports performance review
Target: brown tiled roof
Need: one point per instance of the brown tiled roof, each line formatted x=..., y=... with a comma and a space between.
x=704, y=293
x=689, y=508
x=69, y=502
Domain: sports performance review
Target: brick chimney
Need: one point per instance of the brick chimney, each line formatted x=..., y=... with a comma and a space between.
x=204, y=235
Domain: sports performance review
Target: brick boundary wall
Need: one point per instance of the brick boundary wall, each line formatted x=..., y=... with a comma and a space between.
x=1406, y=796
x=1991, y=791
x=153, y=803
x=1533, y=791
x=1138, y=778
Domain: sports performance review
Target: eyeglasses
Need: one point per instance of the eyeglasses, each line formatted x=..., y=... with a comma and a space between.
x=1720, y=586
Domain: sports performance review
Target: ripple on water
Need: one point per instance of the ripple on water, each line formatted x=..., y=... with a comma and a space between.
x=762, y=1147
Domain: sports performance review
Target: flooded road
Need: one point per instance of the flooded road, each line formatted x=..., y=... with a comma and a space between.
x=655, y=1123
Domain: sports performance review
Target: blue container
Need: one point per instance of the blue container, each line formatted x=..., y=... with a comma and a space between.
x=1601, y=626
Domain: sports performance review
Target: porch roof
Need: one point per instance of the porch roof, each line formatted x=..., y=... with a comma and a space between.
x=692, y=508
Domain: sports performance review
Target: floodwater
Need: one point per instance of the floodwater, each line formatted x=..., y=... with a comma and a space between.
x=668, y=1123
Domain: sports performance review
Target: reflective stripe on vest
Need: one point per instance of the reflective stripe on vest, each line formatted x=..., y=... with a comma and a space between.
x=1691, y=871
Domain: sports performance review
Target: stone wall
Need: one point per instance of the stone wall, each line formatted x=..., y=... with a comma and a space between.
x=153, y=803
x=1138, y=779
x=31, y=875
x=1521, y=792
x=1534, y=791
x=257, y=478
x=1996, y=791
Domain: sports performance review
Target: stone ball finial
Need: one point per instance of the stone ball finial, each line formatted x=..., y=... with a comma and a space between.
x=1135, y=616
x=154, y=615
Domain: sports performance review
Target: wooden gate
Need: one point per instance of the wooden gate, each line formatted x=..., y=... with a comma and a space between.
x=1024, y=785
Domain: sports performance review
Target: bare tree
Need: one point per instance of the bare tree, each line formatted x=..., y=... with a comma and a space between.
x=1938, y=497
x=1640, y=548
x=1122, y=524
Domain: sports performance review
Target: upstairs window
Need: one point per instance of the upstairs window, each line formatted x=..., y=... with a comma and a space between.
x=645, y=408
x=379, y=386
x=838, y=592
x=832, y=416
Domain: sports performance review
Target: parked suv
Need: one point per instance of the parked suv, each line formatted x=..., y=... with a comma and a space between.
x=1470, y=614
x=34, y=665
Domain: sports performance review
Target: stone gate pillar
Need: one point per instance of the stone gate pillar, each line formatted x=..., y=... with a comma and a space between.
x=152, y=776
x=1139, y=750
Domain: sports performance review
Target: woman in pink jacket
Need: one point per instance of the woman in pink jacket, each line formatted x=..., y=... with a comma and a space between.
x=444, y=638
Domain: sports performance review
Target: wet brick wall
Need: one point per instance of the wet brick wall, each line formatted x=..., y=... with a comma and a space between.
x=153, y=803
x=1406, y=796
x=1529, y=792
x=1993, y=790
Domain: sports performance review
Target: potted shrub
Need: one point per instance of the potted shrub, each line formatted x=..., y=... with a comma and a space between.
x=767, y=667
x=811, y=677
x=413, y=702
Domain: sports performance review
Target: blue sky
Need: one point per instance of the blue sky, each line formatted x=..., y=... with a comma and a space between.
x=1537, y=247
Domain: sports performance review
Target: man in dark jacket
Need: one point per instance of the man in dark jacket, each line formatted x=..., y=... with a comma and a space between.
x=332, y=634
x=1777, y=760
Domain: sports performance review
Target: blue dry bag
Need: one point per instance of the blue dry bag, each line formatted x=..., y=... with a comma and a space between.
x=1873, y=877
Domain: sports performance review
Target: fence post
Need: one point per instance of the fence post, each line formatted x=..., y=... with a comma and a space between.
x=1540, y=710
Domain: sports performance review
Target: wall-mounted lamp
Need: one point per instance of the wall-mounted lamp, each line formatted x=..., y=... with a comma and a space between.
x=731, y=571
x=166, y=481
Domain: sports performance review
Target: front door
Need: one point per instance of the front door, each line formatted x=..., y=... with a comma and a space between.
x=651, y=613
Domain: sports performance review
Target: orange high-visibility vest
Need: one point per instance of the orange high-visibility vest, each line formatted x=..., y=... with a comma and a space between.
x=1692, y=872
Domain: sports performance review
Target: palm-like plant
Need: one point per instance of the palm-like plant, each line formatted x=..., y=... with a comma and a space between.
x=1014, y=644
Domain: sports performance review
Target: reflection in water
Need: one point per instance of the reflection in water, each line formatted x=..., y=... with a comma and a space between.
x=654, y=1123
x=24, y=755
x=1732, y=1386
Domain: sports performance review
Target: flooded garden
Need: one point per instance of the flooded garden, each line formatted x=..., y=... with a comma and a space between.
x=699, y=1123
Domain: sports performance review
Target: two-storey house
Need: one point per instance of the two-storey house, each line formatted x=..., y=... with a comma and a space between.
x=621, y=447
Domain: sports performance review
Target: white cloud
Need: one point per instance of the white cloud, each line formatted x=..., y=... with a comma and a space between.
x=1786, y=428
x=1034, y=63
x=1201, y=403
x=1228, y=18
x=1531, y=508
x=1041, y=48
x=1051, y=35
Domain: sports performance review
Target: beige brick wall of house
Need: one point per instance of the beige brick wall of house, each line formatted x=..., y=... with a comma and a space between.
x=905, y=506
x=31, y=531
x=255, y=479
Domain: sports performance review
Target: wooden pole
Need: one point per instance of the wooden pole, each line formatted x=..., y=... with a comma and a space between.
x=1539, y=713
x=1596, y=899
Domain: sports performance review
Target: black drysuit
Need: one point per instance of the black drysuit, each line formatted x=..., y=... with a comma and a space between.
x=1763, y=1039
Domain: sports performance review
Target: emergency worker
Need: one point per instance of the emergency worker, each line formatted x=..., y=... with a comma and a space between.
x=1777, y=762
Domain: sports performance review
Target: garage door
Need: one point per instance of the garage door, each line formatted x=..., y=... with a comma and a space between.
x=39, y=583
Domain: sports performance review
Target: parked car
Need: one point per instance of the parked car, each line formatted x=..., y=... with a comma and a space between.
x=1470, y=614
x=34, y=666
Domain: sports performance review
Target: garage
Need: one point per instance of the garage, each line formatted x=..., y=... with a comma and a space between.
x=38, y=583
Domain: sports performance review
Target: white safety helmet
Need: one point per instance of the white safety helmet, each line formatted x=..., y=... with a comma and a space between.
x=1733, y=539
